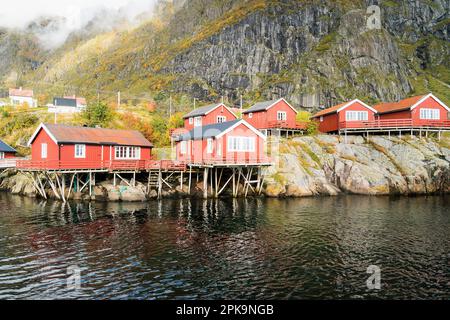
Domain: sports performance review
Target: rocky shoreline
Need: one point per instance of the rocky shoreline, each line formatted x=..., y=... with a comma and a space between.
x=320, y=165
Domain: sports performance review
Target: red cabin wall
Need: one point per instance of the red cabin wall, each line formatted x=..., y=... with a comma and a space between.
x=260, y=120
x=197, y=150
x=52, y=147
x=9, y=155
x=405, y=114
x=332, y=122
x=211, y=117
x=429, y=103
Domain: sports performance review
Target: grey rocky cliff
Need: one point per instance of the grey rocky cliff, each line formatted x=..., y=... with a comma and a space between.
x=314, y=54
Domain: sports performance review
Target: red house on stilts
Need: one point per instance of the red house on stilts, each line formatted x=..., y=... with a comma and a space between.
x=232, y=142
x=56, y=147
x=425, y=111
x=214, y=113
x=348, y=115
x=273, y=115
x=6, y=152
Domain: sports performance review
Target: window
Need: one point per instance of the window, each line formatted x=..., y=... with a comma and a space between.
x=281, y=116
x=221, y=119
x=241, y=144
x=219, y=149
x=191, y=120
x=429, y=114
x=2, y=155
x=356, y=116
x=183, y=147
x=128, y=153
x=44, y=151
x=209, y=145
x=80, y=151
x=321, y=118
x=250, y=115
x=197, y=121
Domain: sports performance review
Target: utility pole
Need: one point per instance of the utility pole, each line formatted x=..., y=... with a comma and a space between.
x=241, y=105
x=170, y=106
x=222, y=99
x=194, y=103
x=118, y=99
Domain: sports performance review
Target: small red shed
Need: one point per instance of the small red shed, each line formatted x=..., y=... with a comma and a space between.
x=426, y=110
x=351, y=114
x=214, y=113
x=231, y=142
x=68, y=147
x=6, y=152
x=271, y=114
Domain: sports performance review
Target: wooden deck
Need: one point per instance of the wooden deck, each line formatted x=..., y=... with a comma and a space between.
x=393, y=125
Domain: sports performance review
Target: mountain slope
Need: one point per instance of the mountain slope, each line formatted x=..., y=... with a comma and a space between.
x=315, y=53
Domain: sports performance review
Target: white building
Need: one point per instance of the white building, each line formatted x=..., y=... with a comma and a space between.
x=19, y=97
x=67, y=105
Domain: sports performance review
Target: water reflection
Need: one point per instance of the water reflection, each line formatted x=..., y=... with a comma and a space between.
x=246, y=248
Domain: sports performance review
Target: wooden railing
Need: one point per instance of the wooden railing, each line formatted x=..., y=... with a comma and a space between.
x=115, y=165
x=278, y=124
x=395, y=123
x=8, y=163
x=232, y=161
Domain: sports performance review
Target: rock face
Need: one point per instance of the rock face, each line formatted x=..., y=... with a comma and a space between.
x=326, y=165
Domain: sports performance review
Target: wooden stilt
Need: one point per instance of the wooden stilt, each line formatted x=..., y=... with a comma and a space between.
x=205, y=184
x=190, y=179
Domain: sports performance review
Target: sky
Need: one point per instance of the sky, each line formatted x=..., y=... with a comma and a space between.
x=77, y=13
x=18, y=13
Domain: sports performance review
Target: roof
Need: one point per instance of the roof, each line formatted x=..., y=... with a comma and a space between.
x=6, y=148
x=406, y=104
x=208, y=131
x=69, y=134
x=80, y=100
x=265, y=105
x=204, y=110
x=65, y=102
x=216, y=130
x=338, y=108
x=20, y=92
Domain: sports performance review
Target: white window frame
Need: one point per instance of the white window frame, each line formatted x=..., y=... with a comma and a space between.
x=221, y=119
x=197, y=121
x=191, y=120
x=2, y=155
x=127, y=153
x=430, y=114
x=281, y=115
x=250, y=115
x=78, y=148
x=321, y=118
x=183, y=147
x=241, y=144
x=352, y=115
x=44, y=151
x=209, y=145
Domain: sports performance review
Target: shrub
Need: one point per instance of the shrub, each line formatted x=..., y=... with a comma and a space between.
x=98, y=114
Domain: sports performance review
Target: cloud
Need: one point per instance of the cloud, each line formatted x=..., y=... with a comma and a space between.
x=68, y=15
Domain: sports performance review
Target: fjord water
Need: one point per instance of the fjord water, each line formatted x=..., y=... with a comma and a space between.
x=311, y=248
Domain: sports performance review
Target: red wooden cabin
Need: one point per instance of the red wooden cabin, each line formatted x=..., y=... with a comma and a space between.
x=56, y=146
x=271, y=115
x=214, y=113
x=353, y=114
x=231, y=142
x=419, y=111
x=6, y=152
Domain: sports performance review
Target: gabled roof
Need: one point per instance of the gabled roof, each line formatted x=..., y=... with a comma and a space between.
x=338, y=108
x=216, y=130
x=266, y=105
x=406, y=104
x=20, y=92
x=202, y=111
x=69, y=134
x=65, y=102
x=6, y=148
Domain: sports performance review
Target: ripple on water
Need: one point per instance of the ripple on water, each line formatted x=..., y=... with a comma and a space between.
x=247, y=249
